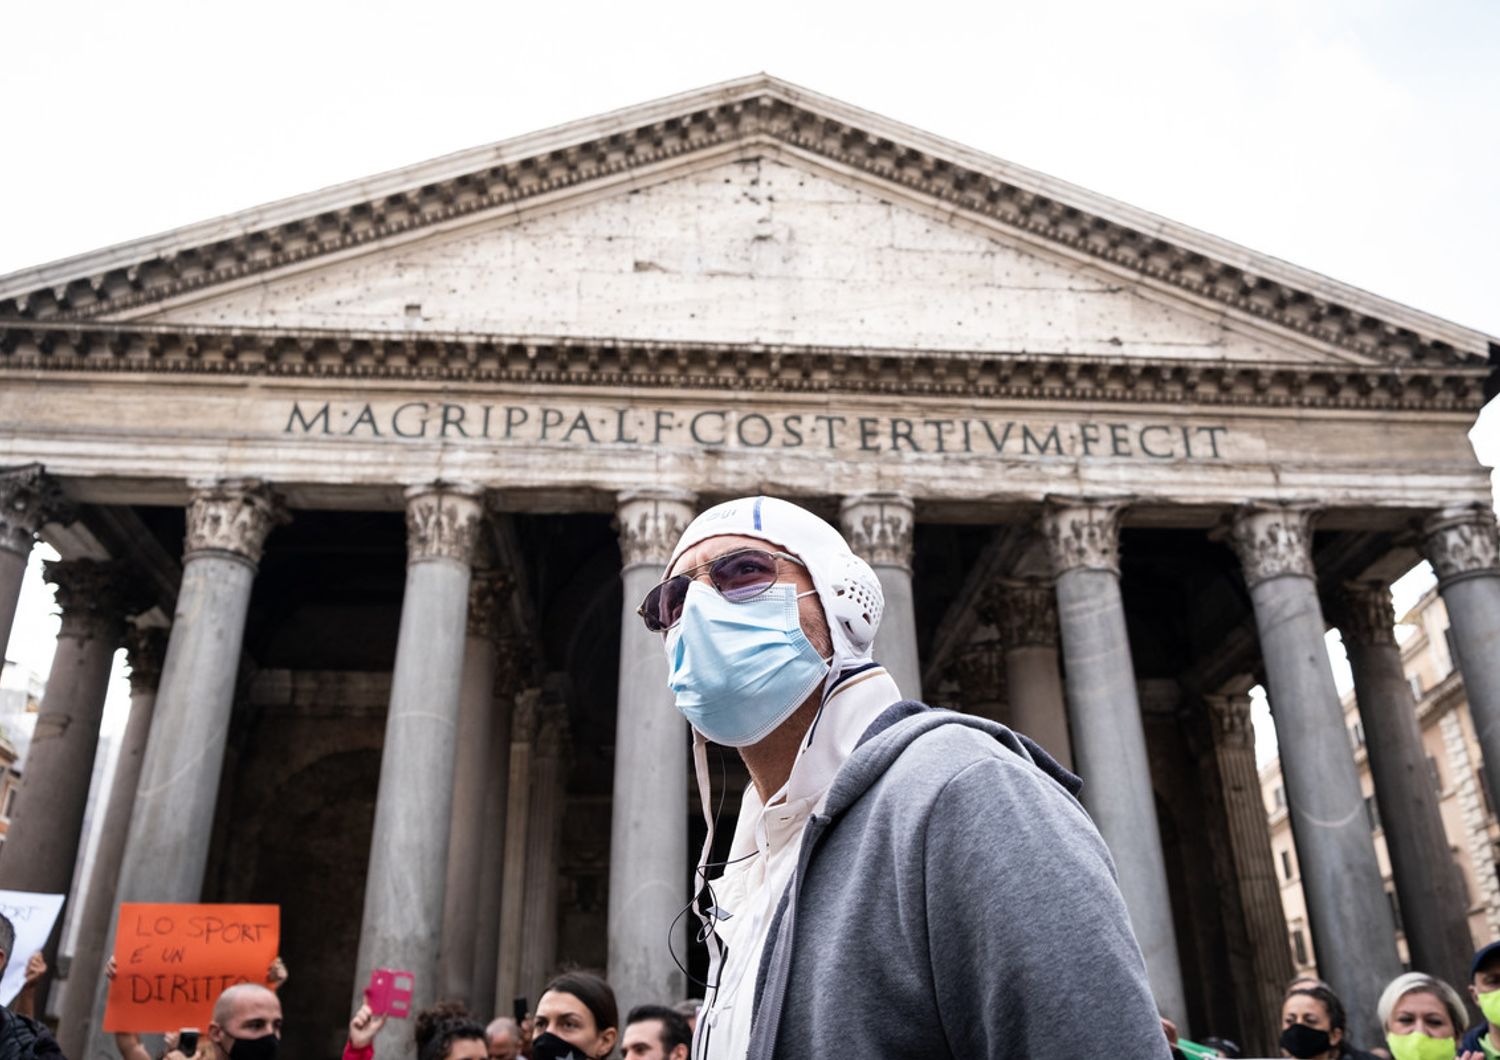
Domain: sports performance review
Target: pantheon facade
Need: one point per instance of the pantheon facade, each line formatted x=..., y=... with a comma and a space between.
x=371, y=480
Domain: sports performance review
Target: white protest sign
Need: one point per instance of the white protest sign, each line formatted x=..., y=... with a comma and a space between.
x=33, y=915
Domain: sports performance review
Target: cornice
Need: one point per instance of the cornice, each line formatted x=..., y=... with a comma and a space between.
x=471, y=357
x=755, y=110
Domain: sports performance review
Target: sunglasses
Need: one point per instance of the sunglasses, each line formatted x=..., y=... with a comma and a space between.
x=738, y=576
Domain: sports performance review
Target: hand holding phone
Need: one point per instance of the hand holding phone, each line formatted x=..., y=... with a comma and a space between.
x=187, y=1042
x=389, y=992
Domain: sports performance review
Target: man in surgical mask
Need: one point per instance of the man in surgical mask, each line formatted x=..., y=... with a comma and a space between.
x=902, y=881
x=246, y=1024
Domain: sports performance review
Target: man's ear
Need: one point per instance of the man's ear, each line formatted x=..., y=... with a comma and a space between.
x=679, y=1052
x=609, y=1037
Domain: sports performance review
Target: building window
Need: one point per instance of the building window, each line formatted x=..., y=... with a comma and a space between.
x=1357, y=734
x=1299, y=947
x=1278, y=796
x=1395, y=910
x=1415, y=681
x=1286, y=864
x=1434, y=774
x=1372, y=812
x=8, y=810
x=1452, y=650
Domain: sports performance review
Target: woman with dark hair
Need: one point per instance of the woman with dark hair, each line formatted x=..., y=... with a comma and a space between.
x=576, y=1017
x=1314, y=1025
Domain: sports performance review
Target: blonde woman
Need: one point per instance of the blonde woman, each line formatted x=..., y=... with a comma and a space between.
x=1422, y=1017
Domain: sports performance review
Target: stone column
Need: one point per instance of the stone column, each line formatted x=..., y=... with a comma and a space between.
x=1024, y=611
x=509, y=663
x=1254, y=868
x=879, y=527
x=1464, y=550
x=980, y=668
x=146, y=646
x=42, y=844
x=1352, y=927
x=549, y=773
x=29, y=499
x=471, y=771
x=1428, y=884
x=403, y=912
x=166, y=851
x=509, y=983
x=1109, y=738
x=648, y=854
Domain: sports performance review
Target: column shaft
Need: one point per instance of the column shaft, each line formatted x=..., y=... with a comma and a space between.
x=403, y=912
x=492, y=859
x=1428, y=884
x=1352, y=926
x=509, y=983
x=880, y=528
x=146, y=647
x=171, y=824
x=1025, y=614
x=1109, y=738
x=648, y=849
x=1463, y=548
x=471, y=770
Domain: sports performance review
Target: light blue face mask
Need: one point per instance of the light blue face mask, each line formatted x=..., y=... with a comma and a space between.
x=738, y=670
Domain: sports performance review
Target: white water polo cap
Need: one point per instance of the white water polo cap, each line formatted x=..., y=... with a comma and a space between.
x=846, y=586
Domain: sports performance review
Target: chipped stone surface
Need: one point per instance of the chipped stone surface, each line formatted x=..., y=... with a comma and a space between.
x=752, y=250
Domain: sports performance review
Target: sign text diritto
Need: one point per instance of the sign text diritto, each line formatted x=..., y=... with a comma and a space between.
x=739, y=428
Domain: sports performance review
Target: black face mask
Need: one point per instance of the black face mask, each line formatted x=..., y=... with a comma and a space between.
x=262, y=1048
x=1299, y=1039
x=549, y=1046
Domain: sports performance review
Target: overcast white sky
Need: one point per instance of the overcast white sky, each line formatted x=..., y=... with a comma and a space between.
x=1354, y=137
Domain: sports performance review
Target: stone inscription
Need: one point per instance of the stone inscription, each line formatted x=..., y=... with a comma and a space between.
x=736, y=428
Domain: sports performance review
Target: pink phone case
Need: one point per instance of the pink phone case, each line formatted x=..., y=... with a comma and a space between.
x=389, y=992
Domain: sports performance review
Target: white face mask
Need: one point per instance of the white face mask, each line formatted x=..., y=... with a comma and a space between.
x=738, y=670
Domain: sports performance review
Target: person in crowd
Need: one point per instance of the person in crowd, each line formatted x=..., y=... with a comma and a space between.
x=576, y=1018
x=768, y=619
x=444, y=1031
x=21, y=1037
x=688, y=1010
x=130, y=1045
x=1422, y=1016
x=25, y=1002
x=504, y=1038
x=1222, y=1046
x=655, y=1032
x=1314, y=1024
x=1484, y=988
x=246, y=1023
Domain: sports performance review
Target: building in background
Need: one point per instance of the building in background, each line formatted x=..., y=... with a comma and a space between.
x=1454, y=770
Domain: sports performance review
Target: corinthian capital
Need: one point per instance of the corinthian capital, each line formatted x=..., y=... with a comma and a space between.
x=29, y=499
x=1273, y=540
x=488, y=591
x=879, y=528
x=233, y=516
x=650, y=522
x=1231, y=715
x=980, y=670
x=1023, y=611
x=93, y=595
x=1083, y=534
x=1462, y=543
x=146, y=648
x=1366, y=615
x=442, y=522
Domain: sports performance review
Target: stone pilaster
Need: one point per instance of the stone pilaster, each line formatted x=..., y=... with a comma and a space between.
x=29, y=499
x=146, y=648
x=1254, y=865
x=514, y=659
x=551, y=757
x=166, y=852
x=648, y=861
x=1353, y=931
x=1109, y=737
x=403, y=913
x=1024, y=612
x=1427, y=881
x=880, y=528
x=1464, y=549
x=524, y=723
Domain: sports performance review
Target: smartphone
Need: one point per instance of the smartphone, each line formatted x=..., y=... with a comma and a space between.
x=187, y=1042
x=520, y=1008
x=389, y=992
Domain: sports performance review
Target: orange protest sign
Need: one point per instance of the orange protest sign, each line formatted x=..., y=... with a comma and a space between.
x=175, y=960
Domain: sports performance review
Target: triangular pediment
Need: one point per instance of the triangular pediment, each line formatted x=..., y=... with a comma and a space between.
x=751, y=212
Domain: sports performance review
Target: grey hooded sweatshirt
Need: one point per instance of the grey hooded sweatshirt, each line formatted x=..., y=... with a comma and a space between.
x=952, y=899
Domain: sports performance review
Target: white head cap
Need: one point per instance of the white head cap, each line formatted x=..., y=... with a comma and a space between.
x=847, y=587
